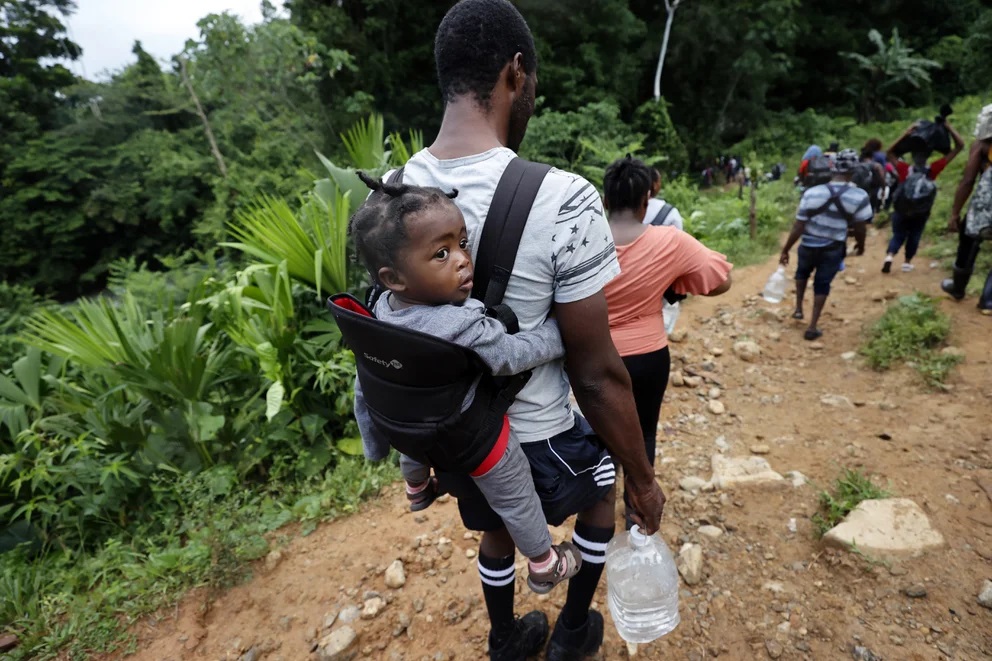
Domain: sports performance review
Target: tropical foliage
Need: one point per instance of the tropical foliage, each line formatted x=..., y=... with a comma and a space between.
x=171, y=390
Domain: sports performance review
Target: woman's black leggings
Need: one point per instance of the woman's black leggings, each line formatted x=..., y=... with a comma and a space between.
x=649, y=377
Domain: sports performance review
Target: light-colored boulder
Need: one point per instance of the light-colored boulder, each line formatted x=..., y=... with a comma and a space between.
x=339, y=645
x=690, y=563
x=395, y=576
x=747, y=350
x=888, y=526
x=985, y=596
x=837, y=401
x=729, y=472
x=711, y=532
x=692, y=483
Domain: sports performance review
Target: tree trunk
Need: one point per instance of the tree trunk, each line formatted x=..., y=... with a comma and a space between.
x=670, y=8
x=753, y=213
x=203, y=118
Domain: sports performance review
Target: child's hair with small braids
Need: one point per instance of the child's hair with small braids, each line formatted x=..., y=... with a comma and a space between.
x=378, y=228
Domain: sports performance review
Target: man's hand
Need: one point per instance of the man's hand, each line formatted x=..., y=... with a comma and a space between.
x=783, y=259
x=954, y=222
x=647, y=502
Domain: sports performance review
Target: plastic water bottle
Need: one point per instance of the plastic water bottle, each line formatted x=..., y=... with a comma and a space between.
x=643, y=586
x=775, y=288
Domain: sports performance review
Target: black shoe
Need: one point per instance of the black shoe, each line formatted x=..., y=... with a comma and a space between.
x=985, y=301
x=569, y=645
x=887, y=266
x=956, y=285
x=527, y=639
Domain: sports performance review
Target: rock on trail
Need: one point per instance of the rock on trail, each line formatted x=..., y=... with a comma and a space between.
x=888, y=526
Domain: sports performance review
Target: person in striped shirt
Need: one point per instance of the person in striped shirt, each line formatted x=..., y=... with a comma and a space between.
x=826, y=213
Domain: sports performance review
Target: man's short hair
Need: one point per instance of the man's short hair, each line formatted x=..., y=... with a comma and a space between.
x=475, y=40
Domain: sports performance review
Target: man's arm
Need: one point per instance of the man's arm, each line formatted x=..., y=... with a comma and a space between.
x=602, y=388
x=797, y=231
x=963, y=192
x=890, y=153
x=958, y=142
x=860, y=231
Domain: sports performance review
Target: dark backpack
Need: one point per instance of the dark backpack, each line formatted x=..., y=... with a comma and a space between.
x=863, y=176
x=414, y=384
x=818, y=171
x=914, y=198
x=927, y=137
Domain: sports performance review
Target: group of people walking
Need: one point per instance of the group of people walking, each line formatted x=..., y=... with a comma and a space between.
x=843, y=191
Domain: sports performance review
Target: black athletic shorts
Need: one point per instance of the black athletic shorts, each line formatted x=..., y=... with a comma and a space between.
x=571, y=471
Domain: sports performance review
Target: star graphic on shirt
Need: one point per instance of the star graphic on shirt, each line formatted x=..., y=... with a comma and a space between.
x=554, y=258
x=570, y=248
x=553, y=238
x=585, y=242
x=575, y=229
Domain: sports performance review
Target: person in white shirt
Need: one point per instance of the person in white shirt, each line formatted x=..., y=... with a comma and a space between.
x=659, y=211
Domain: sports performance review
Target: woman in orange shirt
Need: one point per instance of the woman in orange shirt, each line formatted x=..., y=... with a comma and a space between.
x=652, y=259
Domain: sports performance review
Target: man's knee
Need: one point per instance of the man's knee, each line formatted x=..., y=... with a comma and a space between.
x=496, y=543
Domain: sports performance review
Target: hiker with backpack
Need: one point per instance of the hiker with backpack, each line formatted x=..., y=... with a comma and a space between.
x=976, y=183
x=816, y=168
x=869, y=175
x=914, y=198
x=654, y=260
x=659, y=211
x=564, y=255
x=826, y=213
x=413, y=243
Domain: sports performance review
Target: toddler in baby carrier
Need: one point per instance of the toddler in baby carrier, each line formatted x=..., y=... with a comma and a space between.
x=438, y=357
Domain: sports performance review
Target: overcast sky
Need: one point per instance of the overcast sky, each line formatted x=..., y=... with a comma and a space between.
x=106, y=29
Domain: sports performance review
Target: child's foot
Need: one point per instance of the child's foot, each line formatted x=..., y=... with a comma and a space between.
x=563, y=564
x=421, y=496
x=907, y=267
x=887, y=264
x=813, y=334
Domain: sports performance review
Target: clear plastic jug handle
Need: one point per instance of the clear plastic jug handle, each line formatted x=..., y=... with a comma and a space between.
x=637, y=538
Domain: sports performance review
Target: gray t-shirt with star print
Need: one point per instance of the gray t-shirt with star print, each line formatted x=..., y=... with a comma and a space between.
x=566, y=254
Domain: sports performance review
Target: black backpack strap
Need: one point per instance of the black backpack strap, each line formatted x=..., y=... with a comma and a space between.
x=834, y=201
x=504, y=226
x=397, y=176
x=662, y=215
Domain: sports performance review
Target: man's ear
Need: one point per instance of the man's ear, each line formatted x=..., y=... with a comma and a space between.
x=392, y=279
x=517, y=76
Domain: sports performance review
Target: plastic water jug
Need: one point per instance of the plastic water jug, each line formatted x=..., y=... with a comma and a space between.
x=643, y=586
x=775, y=288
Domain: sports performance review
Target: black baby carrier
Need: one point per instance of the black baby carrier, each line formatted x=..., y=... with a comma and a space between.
x=414, y=384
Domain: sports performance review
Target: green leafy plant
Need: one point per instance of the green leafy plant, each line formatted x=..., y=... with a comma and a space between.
x=312, y=242
x=849, y=489
x=364, y=142
x=911, y=331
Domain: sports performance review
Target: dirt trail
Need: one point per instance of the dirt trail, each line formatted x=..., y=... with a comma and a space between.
x=766, y=591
